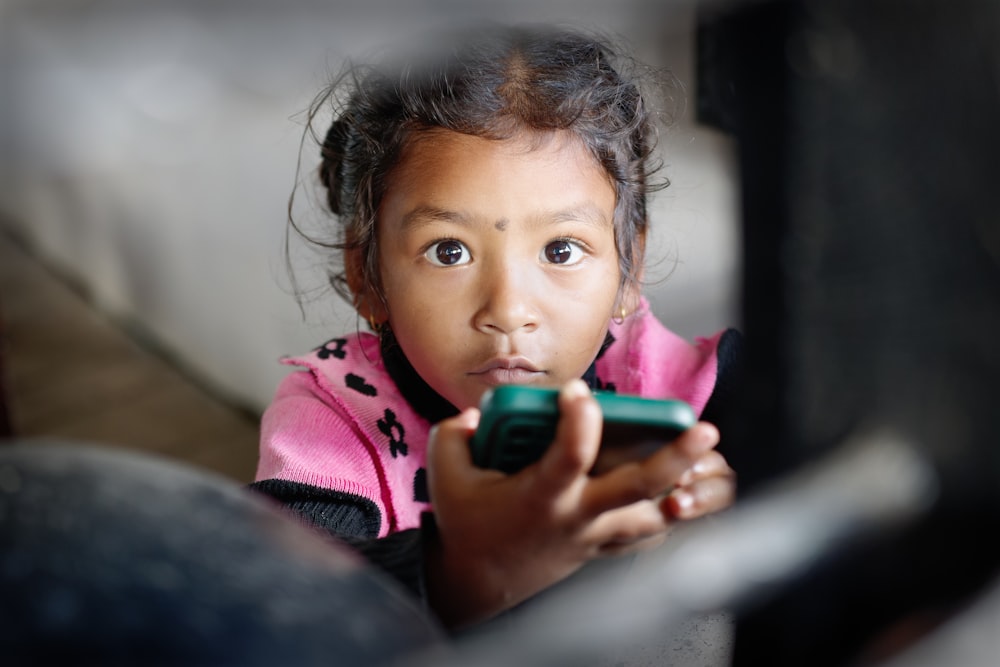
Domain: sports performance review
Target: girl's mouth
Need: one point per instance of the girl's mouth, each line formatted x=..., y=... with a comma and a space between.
x=508, y=370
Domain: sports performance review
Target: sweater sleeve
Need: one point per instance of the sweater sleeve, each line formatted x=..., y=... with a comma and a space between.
x=308, y=442
x=340, y=514
x=301, y=432
x=355, y=521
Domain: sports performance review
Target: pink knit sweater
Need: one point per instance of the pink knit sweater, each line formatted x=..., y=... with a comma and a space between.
x=340, y=423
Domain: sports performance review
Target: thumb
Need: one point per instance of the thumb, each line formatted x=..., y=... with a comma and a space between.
x=578, y=436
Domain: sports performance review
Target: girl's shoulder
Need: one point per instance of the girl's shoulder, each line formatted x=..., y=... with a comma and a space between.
x=648, y=359
x=343, y=424
x=345, y=365
x=348, y=374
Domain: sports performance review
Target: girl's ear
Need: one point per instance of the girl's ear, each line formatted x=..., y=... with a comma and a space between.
x=630, y=298
x=631, y=292
x=366, y=301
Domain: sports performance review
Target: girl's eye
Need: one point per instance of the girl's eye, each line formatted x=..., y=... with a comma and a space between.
x=448, y=253
x=563, y=252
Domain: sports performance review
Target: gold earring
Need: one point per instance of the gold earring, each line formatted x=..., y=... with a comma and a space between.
x=373, y=324
x=622, y=314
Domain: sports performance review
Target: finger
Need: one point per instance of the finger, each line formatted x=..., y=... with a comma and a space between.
x=643, y=480
x=701, y=497
x=578, y=436
x=448, y=444
x=626, y=548
x=627, y=525
x=695, y=441
x=710, y=464
x=668, y=466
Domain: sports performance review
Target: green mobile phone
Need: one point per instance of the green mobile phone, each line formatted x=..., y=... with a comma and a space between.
x=518, y=423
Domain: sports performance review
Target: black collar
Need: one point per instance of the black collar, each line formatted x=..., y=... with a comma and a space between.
x=427, y=402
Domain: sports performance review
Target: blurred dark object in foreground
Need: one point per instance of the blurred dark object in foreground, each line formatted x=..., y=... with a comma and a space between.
x=869, y=137
x=113, y=558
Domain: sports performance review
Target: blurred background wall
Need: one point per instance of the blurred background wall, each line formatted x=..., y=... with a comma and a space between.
x=147, y=152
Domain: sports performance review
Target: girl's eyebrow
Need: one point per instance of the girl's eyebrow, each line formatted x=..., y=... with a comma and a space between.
x=586, y=213
x=425, y=215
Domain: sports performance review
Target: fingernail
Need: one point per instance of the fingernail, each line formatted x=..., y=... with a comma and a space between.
x=683, y=500
x=470, y=416
x=575, y=389
x=699, y=468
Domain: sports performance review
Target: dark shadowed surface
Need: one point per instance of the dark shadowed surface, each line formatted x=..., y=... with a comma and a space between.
x=116, y=558
x=869, y=157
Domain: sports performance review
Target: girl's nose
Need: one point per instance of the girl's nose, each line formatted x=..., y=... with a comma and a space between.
x=508, y=302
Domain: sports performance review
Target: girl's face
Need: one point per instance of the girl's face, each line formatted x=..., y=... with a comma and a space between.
x=498, y=260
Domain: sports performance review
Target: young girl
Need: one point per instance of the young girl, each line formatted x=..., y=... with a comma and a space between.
x=492, y=202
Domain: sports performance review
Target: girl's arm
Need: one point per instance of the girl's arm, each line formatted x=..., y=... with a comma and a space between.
x=355, y=521
x=501, y=539
x=303, y=431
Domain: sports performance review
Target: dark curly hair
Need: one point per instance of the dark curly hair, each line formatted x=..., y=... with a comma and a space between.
x=491, y=82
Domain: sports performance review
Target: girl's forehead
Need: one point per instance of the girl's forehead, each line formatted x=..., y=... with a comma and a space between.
x=426, y=148
x=453, y=176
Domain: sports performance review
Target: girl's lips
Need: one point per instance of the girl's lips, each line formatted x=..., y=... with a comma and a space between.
x=498, y=376
x=517, y=370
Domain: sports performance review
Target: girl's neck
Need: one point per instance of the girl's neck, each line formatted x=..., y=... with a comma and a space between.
x=427, y=402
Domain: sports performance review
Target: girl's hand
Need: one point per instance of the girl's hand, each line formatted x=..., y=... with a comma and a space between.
x=503, y=538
